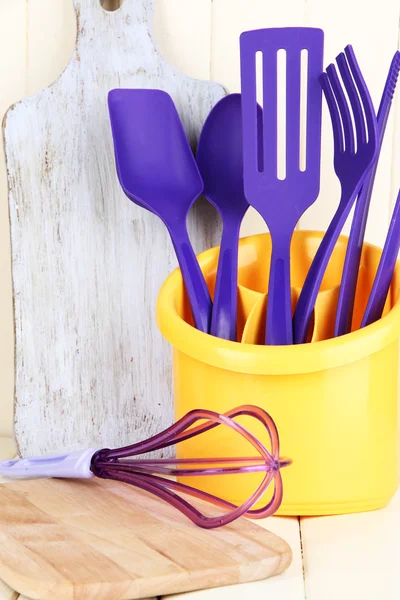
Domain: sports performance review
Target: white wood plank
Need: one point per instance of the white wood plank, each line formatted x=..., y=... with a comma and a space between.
x=101, y=255
x=353, y=556
x=13, y=76
x=287, y=586
x=51, y=39
x=182, y=29
x=230, y=19
x=374, y=36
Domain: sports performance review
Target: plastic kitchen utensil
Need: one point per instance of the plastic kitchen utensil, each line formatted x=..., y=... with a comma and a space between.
x=384, y=274
x=281, y=199
x=351, y=166
x=334, y=402
x=157, y=171
x=147, y=474
x=351, y=266
x=220, y=160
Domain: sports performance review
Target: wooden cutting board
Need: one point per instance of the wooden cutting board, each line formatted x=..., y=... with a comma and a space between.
x=104, y=540
x=91, y=367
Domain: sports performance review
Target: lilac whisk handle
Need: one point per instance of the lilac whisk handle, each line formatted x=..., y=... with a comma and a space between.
x=279, y=331
x=195, y=284
x=315, y=275
x=75, y=465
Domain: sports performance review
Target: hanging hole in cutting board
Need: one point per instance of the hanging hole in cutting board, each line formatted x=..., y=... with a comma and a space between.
x=111, y=5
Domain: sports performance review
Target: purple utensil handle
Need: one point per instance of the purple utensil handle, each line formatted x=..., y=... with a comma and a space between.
x=279, y=309
x=75, y=465
x=193, y=278
x=315, y=275
x=224, y=314
x=384, y=275
x=355, y=151
x=348, y=286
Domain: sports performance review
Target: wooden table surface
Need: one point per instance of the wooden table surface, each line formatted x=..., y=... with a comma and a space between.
x=348, y=557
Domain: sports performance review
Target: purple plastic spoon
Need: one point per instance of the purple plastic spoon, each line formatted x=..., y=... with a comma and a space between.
x=220, y=160
x=157, y=171
x=354, y=248
x=384, y=274
x=351, y=166
x=282, y=199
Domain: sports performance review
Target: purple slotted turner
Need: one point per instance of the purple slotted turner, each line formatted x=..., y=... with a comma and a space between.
x=220, y=160
x=348, y=284
x=351, y=165
x=157, y=171
x=281, y=202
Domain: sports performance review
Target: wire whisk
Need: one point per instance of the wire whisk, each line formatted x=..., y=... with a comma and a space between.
x=157, y=475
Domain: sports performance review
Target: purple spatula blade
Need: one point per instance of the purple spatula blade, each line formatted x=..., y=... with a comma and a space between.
x=353, y=255
x=282, y=199
x=157, y=171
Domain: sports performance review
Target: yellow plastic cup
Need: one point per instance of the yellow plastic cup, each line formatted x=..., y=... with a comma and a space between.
x=334, y=401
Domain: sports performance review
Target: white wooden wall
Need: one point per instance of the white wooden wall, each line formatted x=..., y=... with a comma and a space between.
x=200, y=37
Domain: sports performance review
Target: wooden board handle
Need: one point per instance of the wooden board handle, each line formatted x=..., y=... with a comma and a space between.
x=140, y=10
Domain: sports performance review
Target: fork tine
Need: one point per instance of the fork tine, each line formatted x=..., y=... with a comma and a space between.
x=334, y=112
x=353, y=97
x=368, y=105
x=343, y=108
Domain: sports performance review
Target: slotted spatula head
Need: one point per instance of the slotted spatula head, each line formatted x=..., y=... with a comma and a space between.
x=281, y=200
x=155, y=164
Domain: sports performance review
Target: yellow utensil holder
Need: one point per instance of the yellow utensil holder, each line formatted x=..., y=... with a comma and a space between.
x=334, y=401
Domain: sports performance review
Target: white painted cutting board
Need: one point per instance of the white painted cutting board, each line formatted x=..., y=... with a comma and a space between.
x=91, y=367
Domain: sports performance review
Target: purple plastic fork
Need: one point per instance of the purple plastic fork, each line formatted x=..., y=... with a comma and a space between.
x=354, y=248
x=220, y=160
x=282, y=199
x=351, y=165
x=153, y=475
x=384, y=274
x=157, y=171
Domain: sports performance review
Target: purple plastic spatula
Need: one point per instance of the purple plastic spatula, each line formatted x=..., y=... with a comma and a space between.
x=354, y=248
x=355, y=150
x=157, y=171
x=220, y=160
x=281, y=198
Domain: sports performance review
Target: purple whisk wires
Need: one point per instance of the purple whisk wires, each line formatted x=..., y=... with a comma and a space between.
x=152, y=475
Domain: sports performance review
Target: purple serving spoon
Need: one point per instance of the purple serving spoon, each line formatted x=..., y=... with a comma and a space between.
x=220, y=160
x=384, y=274
x=281, y=200
x=154, y=475
x=351, y=165
x=157, y=171
x=348, y=285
